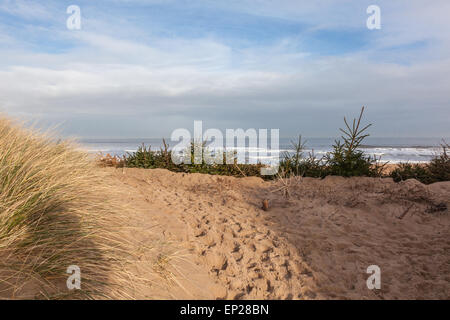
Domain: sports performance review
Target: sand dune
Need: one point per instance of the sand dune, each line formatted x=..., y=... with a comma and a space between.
x=315, y=241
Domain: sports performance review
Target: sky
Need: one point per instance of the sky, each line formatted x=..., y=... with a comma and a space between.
x=141, y=68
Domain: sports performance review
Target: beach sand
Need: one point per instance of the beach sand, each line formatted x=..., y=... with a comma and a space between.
x=315, y=241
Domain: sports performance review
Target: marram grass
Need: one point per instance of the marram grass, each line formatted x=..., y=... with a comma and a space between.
x=55, y=212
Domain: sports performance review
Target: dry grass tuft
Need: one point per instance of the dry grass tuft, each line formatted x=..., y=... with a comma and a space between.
x=56, y=212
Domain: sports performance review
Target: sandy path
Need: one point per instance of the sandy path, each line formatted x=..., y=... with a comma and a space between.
x=316, y=243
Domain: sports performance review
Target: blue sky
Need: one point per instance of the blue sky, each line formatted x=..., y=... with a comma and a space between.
x=144, y=68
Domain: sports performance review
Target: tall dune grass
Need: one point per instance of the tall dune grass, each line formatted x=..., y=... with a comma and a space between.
x=55, y=212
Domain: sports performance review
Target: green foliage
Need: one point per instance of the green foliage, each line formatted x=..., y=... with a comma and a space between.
x=439, y=166
x=405, y=171
x=297, y=165
x=346, y=159
x=146, y=158
x=438, y=169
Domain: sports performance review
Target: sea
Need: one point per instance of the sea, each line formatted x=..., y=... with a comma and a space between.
x=392, y=150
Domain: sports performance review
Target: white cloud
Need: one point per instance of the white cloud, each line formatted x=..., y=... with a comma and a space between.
x=171, y=81
x=27, y=9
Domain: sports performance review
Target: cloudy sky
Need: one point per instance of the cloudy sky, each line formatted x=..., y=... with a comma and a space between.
x=144, y=68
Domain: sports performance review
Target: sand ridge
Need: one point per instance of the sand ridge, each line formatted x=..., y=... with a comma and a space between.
x=315, y=241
